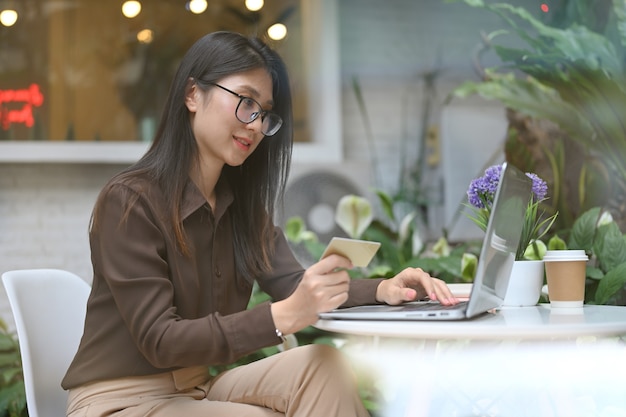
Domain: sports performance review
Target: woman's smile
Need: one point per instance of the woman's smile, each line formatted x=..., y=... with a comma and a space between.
x=242, y=142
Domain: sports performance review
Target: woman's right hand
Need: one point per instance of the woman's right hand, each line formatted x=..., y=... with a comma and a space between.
x=323, y=287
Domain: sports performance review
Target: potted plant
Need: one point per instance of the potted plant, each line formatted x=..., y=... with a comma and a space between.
x=527, y=275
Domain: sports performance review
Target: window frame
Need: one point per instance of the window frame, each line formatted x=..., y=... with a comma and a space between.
x=321, y=43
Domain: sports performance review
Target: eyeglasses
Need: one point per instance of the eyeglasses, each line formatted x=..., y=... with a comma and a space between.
x=248, y=110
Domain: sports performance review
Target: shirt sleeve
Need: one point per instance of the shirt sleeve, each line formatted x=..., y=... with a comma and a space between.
x=287, y=273
x=362, y=291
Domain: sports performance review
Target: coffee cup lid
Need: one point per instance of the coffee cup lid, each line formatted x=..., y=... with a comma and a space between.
x=565, y=255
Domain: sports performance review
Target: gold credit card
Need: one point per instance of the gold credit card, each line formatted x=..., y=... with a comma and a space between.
x=360, y=252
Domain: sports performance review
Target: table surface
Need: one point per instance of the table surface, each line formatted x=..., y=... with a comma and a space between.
x=537, y=322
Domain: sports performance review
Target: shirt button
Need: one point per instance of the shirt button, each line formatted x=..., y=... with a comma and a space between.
x=218, y=273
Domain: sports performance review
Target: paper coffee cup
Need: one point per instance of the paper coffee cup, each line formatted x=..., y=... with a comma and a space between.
x=565, y=274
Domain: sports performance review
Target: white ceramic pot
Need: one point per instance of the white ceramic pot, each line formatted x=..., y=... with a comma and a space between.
x=525, y=284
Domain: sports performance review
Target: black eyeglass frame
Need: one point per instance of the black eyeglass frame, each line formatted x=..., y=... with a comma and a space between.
x=255, y=115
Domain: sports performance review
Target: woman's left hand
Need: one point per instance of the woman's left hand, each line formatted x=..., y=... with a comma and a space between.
x=412, y=284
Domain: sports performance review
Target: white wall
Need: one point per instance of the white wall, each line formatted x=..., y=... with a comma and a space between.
x=388, y=46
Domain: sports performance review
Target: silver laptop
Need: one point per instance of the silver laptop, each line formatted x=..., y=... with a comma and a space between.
x=492, y=272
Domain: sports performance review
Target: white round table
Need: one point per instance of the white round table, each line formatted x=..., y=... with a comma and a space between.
x=538, y=322
x=515, y=362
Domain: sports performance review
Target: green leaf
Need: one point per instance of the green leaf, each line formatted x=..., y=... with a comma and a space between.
x=535, y=251
x=381, y=271
x=386, y=203
x=573, y=43
x=610, y=247
x=9, y=358
x=584, y=230
x=451, y=265
x=13, y=399
x=6, y=342
x=556, y=243
x=612, y=282
x=258, y=296
x=388, y=253
x=469, y=263
x=594, y=273
x=294, y=227
x=480, y=217
x=269, y=351
x=619, y=9
x=445, y=267
x=315, y=248
x=430, y=265
x=12, y=374
x=529, y=97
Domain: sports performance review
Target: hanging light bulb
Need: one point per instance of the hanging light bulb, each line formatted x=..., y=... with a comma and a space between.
x=145, y=36
x=277, y=31
x=131, y=8
x=254, y=5
x=197, y=6
x=8, y=17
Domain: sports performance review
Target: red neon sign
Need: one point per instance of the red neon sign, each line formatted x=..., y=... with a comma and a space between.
x=30, y=97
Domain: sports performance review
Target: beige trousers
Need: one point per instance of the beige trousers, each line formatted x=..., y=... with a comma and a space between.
x=308, y=381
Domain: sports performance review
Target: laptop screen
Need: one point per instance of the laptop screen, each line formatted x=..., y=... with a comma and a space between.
x=501, y=240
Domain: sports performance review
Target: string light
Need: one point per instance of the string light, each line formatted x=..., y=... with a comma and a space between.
x=545, y=8
x=254, y=5
x=131, y=8
x=8, y=17
x=277, y=31
x=197, y=6
x=145, y=36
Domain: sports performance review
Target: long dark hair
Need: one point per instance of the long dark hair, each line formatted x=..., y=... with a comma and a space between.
x=259, y=183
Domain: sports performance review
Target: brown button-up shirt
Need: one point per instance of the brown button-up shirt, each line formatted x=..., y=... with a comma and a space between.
x=152, y=309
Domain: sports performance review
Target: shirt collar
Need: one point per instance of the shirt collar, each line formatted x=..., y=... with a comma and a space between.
x=193, y=198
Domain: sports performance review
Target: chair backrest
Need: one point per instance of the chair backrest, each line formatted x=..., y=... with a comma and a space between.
x=49, y=308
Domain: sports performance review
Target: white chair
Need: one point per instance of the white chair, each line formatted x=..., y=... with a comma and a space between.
x=49, y=308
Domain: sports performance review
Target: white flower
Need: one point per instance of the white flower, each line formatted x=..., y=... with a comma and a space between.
x=405, y=227
x=354, y=215
x=442, y=248
x=605, y=219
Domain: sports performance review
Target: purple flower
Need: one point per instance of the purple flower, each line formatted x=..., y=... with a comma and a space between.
x=482, y=190
x=539, y=187
x=536, y=222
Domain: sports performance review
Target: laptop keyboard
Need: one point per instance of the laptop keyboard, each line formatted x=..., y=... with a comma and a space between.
x=433, y=306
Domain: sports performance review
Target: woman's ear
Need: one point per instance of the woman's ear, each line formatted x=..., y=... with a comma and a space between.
x=192, y=96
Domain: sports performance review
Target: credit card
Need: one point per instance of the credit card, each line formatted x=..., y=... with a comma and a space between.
x=360, y=252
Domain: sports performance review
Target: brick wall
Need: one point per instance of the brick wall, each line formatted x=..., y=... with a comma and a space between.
x=44, y=217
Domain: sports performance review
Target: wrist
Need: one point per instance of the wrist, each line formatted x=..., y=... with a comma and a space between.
x=282, y=321
x=288, y=319
x=380, y=292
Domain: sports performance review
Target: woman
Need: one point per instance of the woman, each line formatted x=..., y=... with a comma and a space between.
x=179, y=238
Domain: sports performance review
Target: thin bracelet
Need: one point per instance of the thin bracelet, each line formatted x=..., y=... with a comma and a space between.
x=280, y=335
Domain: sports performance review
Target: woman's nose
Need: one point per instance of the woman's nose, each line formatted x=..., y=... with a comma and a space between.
x=256, y=124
